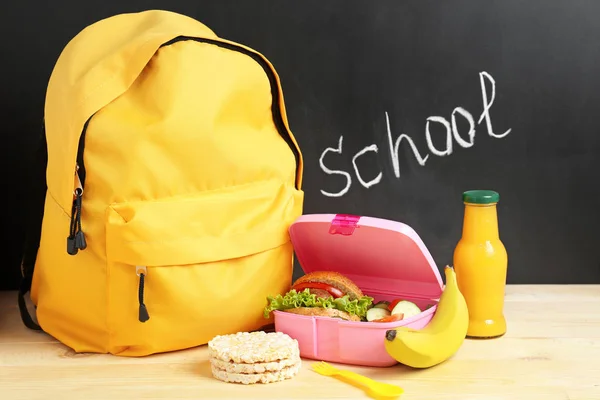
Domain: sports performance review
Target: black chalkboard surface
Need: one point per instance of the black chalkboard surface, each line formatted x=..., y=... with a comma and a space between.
x=398, y=106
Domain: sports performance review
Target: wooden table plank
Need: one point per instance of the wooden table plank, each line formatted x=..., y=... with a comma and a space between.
x=551, y=352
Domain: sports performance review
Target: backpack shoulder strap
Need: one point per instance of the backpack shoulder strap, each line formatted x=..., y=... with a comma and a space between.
x=35, y=195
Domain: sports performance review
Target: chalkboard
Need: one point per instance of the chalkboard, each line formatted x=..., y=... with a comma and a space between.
x=478, y=94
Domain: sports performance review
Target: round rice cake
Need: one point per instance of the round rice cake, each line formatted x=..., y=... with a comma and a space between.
x=253, y=347
x=255, y=368
x=249, y=379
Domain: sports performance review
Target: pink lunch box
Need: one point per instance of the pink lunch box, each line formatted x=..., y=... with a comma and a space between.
x=386, y=259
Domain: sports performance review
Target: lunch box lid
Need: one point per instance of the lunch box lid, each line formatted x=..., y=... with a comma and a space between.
x=381, y=256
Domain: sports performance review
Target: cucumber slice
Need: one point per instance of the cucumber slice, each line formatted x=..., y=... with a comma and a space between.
x=374, y=313
x=382, y=304
x=408, y=308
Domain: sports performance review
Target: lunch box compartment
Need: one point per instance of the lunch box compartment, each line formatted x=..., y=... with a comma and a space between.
x=386, y=259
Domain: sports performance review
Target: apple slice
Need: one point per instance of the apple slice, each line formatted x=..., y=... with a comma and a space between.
x=408, y=308
x=393, y=304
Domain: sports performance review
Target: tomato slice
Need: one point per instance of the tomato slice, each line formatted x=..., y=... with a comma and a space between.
x=390, y=318
x=333, y=291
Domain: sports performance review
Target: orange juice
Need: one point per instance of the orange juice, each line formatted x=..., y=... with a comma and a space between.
x=480, y=263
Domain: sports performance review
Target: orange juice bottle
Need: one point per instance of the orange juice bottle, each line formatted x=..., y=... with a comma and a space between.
x=480, y=263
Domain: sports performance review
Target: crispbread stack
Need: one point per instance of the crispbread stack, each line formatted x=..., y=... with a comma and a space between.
x=254, y=357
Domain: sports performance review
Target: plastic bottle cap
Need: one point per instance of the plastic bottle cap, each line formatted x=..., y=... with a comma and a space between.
x=480, y=197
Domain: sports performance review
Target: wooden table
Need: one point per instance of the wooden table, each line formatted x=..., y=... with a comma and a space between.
x=551, y=352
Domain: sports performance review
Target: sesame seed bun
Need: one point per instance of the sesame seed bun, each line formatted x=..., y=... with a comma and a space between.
x=334, y=279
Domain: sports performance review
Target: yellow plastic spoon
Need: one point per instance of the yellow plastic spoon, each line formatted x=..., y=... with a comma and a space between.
x=380, y=389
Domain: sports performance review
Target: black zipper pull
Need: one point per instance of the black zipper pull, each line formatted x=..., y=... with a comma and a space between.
x=143, y=312
x=76, y=240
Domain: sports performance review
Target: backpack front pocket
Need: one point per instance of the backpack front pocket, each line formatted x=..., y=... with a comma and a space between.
x=181, y=270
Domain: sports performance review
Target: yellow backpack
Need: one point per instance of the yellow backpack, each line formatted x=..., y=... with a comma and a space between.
x=172, y=179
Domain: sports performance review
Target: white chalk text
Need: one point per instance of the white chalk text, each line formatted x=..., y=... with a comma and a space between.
x=465, y=139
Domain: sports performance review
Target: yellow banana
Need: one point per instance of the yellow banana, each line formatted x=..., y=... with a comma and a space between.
x=440, y=339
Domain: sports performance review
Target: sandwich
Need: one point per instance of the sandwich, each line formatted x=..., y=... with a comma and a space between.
x=325, y=294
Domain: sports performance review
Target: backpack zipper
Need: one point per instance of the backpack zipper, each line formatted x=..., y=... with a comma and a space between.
x=76, y=240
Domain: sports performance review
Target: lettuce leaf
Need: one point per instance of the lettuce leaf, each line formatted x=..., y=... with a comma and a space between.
x=293, y=299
